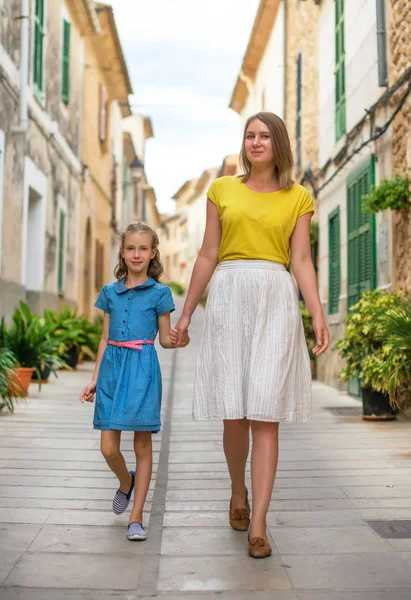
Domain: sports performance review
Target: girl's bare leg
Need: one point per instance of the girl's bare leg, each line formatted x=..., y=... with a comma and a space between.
x=110, y=449
x=144, y=460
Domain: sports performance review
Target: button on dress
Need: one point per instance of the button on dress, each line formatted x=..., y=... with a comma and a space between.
x=129, y=388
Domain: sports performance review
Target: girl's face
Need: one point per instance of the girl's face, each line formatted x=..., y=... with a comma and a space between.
x=258, y=145
x=137, y=252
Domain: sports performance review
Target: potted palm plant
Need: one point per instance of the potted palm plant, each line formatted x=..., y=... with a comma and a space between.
x=368, y=353
x=77, y=336
x=9, y=383
x=29, y=339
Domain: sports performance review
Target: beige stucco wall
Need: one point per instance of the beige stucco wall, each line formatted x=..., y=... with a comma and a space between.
x=400, y=50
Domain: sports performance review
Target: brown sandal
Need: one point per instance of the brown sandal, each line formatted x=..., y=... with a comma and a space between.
x=240, y=517
x=258, y=547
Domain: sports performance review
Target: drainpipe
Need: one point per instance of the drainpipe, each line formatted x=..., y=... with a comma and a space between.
x=381, y=44
x=24, y=67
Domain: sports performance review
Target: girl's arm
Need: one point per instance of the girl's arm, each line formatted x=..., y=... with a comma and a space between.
x=167, y=337
x=203, y=269
x=88, y=393
x=304, y=272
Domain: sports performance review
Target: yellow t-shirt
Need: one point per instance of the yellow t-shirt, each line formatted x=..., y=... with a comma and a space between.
x=257, y=225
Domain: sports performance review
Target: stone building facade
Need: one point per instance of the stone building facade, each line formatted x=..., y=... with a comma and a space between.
x=105, y=104
x=40, y=151
x=301, y=83
x=399, y=35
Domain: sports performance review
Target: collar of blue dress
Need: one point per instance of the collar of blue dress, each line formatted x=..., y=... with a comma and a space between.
x=121, y=287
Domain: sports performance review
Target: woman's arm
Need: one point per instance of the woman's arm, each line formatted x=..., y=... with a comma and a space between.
x=203, y=269
x=304, y=272
x=167, y=337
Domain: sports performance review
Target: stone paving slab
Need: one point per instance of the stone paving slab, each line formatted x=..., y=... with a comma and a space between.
x=352, y=572
x=97, y=571
x=227, y=573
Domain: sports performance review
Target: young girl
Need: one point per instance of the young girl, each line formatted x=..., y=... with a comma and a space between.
x=127, y=377
x=253, y=367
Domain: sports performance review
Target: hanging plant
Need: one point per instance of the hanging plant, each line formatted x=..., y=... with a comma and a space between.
x=390, y=193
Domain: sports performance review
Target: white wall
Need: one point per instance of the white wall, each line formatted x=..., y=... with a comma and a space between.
x=361, y=59
x=2, y=155
x=269, y=83
x=135, y=126
x=326, y=68
x=361, y=67
x=34, y=226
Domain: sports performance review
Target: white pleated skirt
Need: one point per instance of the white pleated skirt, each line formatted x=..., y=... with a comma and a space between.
x=253, y=361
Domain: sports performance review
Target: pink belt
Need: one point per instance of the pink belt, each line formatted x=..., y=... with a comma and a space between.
x=135, y=344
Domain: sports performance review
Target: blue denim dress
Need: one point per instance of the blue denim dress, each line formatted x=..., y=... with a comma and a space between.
x=128, y=393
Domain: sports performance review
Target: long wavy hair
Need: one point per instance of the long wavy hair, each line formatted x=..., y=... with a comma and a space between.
x=283, y=156
x=155, y=268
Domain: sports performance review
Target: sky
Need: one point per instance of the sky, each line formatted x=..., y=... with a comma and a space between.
x=183, y=58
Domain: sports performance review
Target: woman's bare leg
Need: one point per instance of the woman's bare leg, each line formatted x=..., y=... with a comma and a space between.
x=264, y=459
x=236, y=442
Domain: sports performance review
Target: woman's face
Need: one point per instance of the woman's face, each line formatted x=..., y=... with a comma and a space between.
x=258, y=145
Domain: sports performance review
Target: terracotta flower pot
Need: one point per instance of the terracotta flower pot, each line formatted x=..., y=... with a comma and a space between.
x=19, y=385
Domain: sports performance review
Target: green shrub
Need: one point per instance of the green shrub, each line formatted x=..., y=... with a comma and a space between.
x=371, y=352
x=390, y=193
x=308, y=330
x=177, y=288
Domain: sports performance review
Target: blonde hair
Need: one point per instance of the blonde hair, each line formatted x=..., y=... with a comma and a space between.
x=283, y=156
x=155, y=268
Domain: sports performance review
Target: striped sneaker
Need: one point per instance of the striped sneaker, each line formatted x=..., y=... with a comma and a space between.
x=121, y=500
x=136, y=532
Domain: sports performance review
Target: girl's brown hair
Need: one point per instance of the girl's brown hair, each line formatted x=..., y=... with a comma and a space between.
x=155, y=268
x=283, y=156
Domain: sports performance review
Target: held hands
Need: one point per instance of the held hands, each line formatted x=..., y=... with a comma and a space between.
x=89, y=392
x=322, y=335
x=179, y=334
x=174, y=339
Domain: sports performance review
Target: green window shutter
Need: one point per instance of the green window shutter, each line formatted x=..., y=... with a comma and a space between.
x=38, y=59
x=65, y=68
x=334, y=268
x=340, y=112
x=60, y=270
x=361, y=249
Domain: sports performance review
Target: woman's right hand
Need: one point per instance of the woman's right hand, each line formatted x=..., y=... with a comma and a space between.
x=87, y=395
x=182, y=328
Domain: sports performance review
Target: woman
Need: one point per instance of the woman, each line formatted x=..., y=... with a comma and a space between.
x=253, y=367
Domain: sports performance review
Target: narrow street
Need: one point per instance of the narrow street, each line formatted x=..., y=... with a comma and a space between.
x=60, y=540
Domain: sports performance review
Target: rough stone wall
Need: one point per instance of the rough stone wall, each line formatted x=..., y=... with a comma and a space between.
x=400, y=51
x=302, y=22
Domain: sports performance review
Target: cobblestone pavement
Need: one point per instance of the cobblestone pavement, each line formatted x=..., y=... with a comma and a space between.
x=60, y=540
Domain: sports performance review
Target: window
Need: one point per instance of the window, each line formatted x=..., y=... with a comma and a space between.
x=298, y=116
x=360, y=235
x=65, y=67
x=38, y=60
x=340, y=121
x=99, y=266
x=334, y=270
x=61, y=253
x=103, y=113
